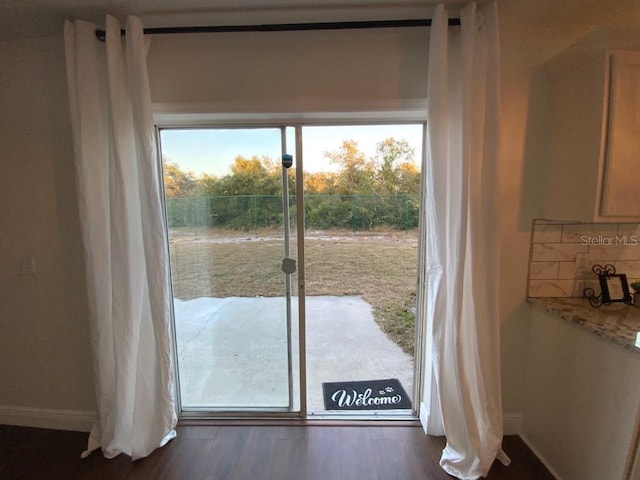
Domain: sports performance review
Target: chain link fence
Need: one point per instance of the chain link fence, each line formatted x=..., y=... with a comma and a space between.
x=322, y=212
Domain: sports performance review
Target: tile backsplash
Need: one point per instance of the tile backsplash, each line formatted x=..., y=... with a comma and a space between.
x=562, y=255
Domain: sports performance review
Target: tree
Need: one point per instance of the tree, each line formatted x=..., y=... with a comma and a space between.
x=408, y=178
x=249, y=176
x=356, y=173
x=394, y=166
x=325, y=183
x=207, y=185
x=177, y=183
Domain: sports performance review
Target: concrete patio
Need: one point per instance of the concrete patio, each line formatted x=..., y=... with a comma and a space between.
x=232, y=352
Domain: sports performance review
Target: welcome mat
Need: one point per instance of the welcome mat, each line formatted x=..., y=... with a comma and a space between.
x=385, y=394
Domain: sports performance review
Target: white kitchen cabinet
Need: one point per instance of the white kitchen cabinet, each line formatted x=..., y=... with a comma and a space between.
x=621, y=181
x=592, y=172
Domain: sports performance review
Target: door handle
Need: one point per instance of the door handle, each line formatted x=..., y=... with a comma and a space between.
x=288, y=265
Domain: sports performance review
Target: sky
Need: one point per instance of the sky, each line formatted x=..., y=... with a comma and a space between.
x=212, y=151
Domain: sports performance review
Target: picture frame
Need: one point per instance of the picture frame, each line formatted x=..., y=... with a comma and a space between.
x=614, y=288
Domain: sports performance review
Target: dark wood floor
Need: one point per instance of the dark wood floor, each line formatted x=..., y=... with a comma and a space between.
x=253, y=453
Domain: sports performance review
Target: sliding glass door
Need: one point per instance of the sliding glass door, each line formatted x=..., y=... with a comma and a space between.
x=294, y=262
x=361, y=217
x=227, y=207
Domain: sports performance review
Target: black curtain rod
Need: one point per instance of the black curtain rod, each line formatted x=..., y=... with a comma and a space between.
x=289, y=27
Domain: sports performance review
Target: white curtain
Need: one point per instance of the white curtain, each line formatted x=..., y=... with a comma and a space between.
x=125, y=248
x=459, y=228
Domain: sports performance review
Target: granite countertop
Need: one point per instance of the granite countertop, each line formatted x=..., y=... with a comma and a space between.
x=618, y=323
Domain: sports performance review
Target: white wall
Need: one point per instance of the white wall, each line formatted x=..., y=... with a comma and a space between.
x=341, y=70
x=44, y=340
x=532, y=32
x=290, y=71
x=45, y=357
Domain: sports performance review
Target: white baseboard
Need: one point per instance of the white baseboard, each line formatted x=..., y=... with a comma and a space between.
x=75, y=420
x=512, y=423
x=543, y=460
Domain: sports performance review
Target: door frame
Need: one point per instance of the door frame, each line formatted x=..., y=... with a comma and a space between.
x=186, y=120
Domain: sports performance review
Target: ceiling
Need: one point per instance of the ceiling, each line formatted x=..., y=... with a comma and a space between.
x=33, y=18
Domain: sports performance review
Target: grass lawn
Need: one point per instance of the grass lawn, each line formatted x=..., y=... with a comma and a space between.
x=380, y=266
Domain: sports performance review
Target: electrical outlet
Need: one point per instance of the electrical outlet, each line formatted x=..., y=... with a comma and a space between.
x=26, y=266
